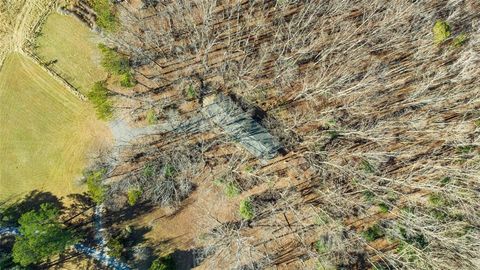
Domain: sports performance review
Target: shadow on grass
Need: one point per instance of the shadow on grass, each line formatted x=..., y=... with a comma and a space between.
x=30, y=202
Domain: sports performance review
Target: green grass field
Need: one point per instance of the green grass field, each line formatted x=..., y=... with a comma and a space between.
x=45, y=131
x=74, y=48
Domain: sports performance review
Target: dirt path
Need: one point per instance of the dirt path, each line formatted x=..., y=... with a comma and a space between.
x=23, y=29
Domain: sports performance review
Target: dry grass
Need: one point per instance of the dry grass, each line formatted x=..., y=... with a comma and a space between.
x=72, y=48
x=46, y=132
x=19, y=21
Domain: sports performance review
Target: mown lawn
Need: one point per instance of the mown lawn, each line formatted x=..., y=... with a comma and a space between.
x=73, y=46
x=45, y=131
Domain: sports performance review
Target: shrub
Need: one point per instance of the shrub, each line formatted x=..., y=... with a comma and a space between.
x=148, y=170
x=441, y=31
x=321, y=247
x=113, y=62
x=477, y=123
x=115, y=247
x=373, y=233
x=42, y=236
x=106, y=17
x=465, y=149
x=460, y=40
x=133, y=196
x=127, y=80
x=249, y=169
x=322, y=219
x=99, y=97
x=367, y=167
x=246, y=209
x=168, y=171
x=191, y=93
x=231, y=190
x=435, y=199
x=444, y=181
x=151, y=117
x=416, y=239
x=163, y=263
x=96, y=189
x=383, y=207
x=118, y=65
x=368, y=195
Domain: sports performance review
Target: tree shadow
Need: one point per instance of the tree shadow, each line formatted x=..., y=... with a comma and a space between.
x=30, y=202
x=127, y=213
x=79, y=205
x=186, y=259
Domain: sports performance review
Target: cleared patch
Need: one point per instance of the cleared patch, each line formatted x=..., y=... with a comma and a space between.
x=45, y=131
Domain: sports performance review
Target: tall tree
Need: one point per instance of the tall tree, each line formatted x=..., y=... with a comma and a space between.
x=42, y=236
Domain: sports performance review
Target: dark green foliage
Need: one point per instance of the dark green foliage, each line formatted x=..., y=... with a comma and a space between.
x=106, y=17
x=368, y=195
x=148, y=170
x=333, y=134
x=444, y=181
x=6, y=261
x=367, y=167
x=438, y=214
x=249, y=169
x=99, y=97
x=169, y=171
x=384, y=208
x=42, y=236
x=191, y=93
x=466, y=149
x=407, y=251
x=416, y=239
x=133, y=196
x=246, y=209
x=373, y=233
x=477, y=123
x=163, y=263
x=114, y=62
x=115, y=248
x=118, y=65
x=96, y=189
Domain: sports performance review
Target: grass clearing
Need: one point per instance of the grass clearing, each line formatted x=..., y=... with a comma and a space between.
x=76, y=58
x=45, y=133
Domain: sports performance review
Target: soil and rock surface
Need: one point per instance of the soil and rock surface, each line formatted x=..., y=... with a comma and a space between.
x=296, y=134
